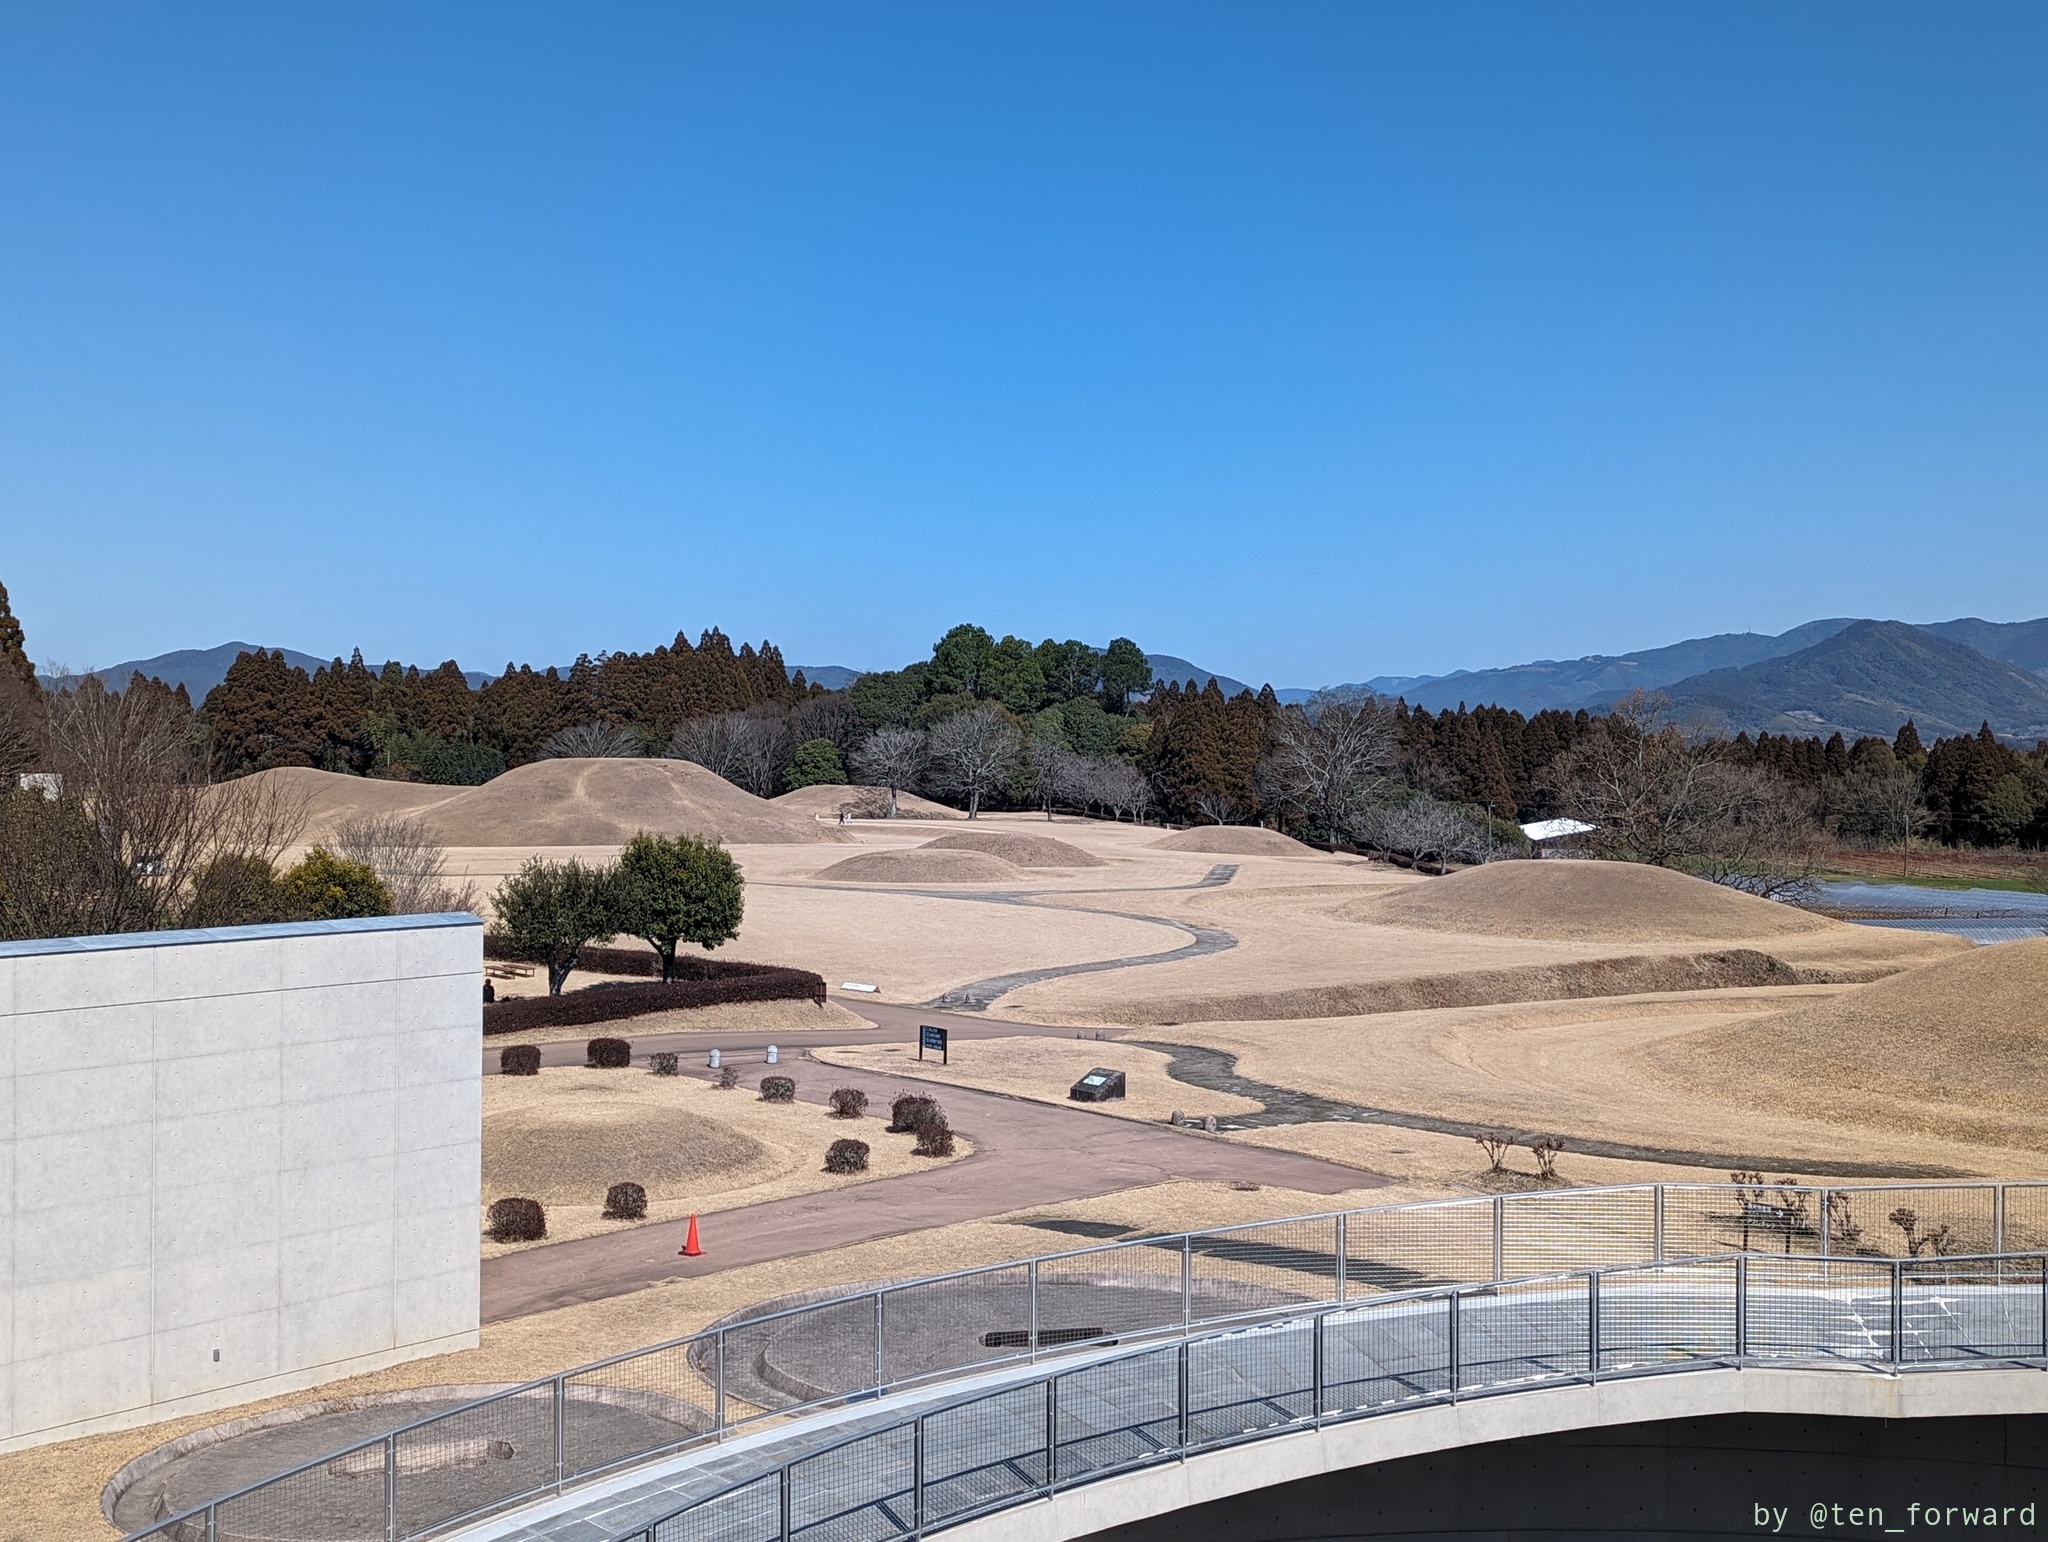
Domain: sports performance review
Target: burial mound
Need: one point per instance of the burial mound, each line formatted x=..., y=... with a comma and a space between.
x=922, y=865
x=569, y=1148
x=1564, y=901
x=1023, y=850
x=1236, y=841
x=560, y=803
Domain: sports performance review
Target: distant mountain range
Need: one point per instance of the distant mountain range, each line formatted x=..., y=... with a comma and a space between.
x=199, y=670
x=1858, y=677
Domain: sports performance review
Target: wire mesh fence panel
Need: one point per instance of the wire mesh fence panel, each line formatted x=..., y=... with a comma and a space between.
x=1818, y=1309
x=190, y=1529
x=633, y=1408
x=1713, y=1218
x=1536, y=1331
x=340, y=1497
x=1545, y=1233
x=1254, y=1380
x=467, y=1460
x=1252, y=1268
x=2026, y=1217
x=1670, y=1315
x=1414, y=1248
x=1109, y=1293
x=966, y=1320
x=982, y=1454
x=1119, y=1414
x=749, y=1514
x=1386, y=1353
x=860, y=1492
x=1908, y=1222
x=1973, y=1309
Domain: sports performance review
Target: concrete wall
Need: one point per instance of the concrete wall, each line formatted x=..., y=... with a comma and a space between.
x=233, y=1163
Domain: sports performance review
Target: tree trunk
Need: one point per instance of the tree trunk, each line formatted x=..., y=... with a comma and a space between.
x=667, y=949
x=973, y=802
x=557, y=973
x=892, y=800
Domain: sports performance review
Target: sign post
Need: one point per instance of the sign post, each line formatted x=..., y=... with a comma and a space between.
x=929, y=1037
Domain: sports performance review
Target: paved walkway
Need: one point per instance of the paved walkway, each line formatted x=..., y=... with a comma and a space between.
x=1025, y=1154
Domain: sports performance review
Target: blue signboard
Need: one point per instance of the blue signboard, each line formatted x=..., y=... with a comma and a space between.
x=929, y=1037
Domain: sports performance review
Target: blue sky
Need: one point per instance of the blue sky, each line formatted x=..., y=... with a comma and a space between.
x=1311, y=342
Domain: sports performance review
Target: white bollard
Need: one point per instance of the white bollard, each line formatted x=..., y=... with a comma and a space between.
x=714, y=1060
x=774, y=1055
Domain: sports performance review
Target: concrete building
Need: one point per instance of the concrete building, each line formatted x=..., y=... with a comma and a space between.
x=233, y=1163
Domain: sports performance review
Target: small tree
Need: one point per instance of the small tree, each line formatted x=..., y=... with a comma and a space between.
x=894, y=758
x=548, y=911
x=676, y=888
x=324, y=887
x=815, y=764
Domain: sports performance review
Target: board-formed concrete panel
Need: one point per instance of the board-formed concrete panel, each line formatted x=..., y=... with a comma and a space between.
x=262, y=1143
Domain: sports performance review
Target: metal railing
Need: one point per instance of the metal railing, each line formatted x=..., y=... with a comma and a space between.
x=949, y=1464
x=540, y=1437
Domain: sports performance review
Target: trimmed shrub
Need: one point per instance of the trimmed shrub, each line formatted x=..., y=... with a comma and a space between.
x=610, y=1054
x=777, y=1089
x=518, y=1220
x=625, y=1202
x=519, y=1060
x=848, y=1103
x=609, y=1003
x=934, y=1138
x=910, y=1110
x=662, y=1062
x=847, y=1156
x=728, y=1078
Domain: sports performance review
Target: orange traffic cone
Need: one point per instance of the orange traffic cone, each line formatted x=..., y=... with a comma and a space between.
x=690, y=1247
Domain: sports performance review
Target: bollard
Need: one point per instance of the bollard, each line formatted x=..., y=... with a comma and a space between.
x=715, y=1060
x=774, y=1055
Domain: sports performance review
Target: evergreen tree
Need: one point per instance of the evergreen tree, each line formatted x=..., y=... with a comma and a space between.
x=675, y=889
x=13, y=643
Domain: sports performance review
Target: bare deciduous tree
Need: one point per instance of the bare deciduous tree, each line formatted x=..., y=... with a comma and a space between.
x=136, y=826
x=894, y=758
x=1329, y=757
x=412, y=864
x=592, y=741
x=973, y=751
x=1120, y=787
x=746, y=748
x=1427, y=831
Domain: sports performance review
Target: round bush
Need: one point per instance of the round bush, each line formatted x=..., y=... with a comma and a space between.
x=910, y=1110
x=662, y=1062
x=848, y=1103
x=777, y=1089
x=610, y=1054
x=934, y=1138
x=519, y=1060
x=728, y=1078
x=847, y=1156
x=518, y=1220
x=625, y=1202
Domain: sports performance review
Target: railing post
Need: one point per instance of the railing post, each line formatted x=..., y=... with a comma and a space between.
x=1898, y=1312
x=1657, y=1225
x=1500, y=1215
x=718, y=1382
x=782, y=1499
x=1593, y=1324
x=1457, y=1375
x=879, y=1328
x=391, y=1488
x=1826, y=1216
x=1052, y=1433
x=1187, y=1280
x=1742, y=1307
x=212, y=1523
x=1343, y=1257
x=1031, y=1275
x=1181, y=1368
x=2044, y=1306
x=917, y=1477
x=1998, y=1218
x=561, y=1432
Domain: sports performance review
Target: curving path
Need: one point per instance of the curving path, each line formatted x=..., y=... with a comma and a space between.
x=1025, y=1154
x=1215, y=1070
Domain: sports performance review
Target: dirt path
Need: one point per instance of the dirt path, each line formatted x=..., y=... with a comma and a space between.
x=1025, y=1154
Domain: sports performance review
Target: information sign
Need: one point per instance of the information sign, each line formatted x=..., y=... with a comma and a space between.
x=929, y=1037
